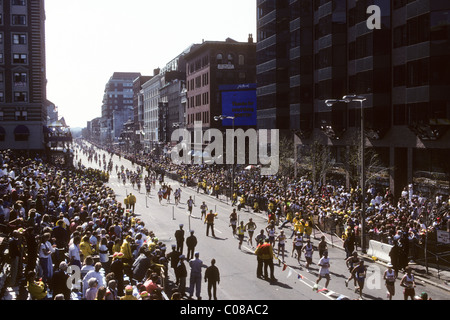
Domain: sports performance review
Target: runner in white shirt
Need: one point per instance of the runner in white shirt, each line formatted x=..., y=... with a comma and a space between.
x=390, y=276
x=308, y=249
x=324, y=271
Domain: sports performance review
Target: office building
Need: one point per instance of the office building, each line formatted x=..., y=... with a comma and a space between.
x=312, y=50
x=23, y=98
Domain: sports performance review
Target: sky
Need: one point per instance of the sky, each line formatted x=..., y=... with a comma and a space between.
x=88, y=40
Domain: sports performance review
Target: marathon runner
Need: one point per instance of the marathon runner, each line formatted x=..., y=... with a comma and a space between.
x=250, y=227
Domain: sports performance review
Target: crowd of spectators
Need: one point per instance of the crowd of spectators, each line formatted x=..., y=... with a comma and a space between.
x=57, y=220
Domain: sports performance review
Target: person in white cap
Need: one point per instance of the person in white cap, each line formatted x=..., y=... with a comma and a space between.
x=390, y=276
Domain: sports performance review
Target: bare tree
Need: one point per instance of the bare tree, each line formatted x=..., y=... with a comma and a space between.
x=374, y=167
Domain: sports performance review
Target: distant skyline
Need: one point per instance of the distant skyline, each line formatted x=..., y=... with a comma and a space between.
x=87, y=41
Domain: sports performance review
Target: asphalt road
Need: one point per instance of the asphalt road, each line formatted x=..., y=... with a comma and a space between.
x=238, y=266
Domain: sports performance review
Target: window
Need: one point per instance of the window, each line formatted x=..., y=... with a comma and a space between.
x=400, y=36
x=1, y=57
x=399, y=75
x=19, y=2
x=241, y=59
x=418, y=29
x=20, y=78
x=230, y=59
x=19, y=19
x=1, y=115
x=19, y=38
x=20, y=96
x=1, y=38
x=20, y=58
x=219, y=58
x=2, y=96
x=21, y=115
x=418, y=73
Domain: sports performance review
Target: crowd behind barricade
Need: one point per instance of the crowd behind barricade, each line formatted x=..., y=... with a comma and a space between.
x=57, y=220
x=332, y=207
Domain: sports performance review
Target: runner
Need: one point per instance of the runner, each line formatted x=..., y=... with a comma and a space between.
x=359, y=272
x=203, y=209
x=324, y=271
x=390, y=276
x=241, y=233
x=322, y=246
x=250, y=227
x=271, y=232
x=233, y=221
x=308, y=249
x=281, y=246
x=190, y=204
x=160, y=195
x=297, y=246
x=409, y=284
x=177, y=195
x=351, y=262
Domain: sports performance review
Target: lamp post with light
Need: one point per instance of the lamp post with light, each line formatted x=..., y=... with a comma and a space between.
x=223, y=117
x=360, y=99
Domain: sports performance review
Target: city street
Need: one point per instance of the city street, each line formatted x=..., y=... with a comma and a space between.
x=238, y=266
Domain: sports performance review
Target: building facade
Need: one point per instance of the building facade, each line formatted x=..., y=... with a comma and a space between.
x=138, y=109
x=117, y=104
x=23, y=101
x=210, y=65
x=151, y=100
x=330, y=50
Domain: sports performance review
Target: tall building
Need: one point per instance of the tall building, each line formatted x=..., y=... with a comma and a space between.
x=23, y=98
x=151, y=100
x=117, y=105
x=312, y=50
x=211, y=66
x=138, y=108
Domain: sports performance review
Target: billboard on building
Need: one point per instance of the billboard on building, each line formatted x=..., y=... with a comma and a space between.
x=239, y=101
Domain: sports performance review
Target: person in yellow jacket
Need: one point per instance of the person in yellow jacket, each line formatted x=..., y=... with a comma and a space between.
x=86, y=248
x=265, y=253
x=37, y=289
x=234, y=199
x=126, y=203
x=301, y=226
x=308, y=228
x=128, y=294
x=126, y=250
x=131, y=201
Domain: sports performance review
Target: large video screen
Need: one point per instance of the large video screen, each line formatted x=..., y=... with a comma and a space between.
x=240, y=103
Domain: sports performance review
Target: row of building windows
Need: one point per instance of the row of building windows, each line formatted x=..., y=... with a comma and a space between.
x=199, y=116
x=198, y=100
x=19, y=78
x=198, y=82
x=17, y=38
x=18, y=96
x=220, y=59
x=17, y=58
x=18, y=115
x=16, y=19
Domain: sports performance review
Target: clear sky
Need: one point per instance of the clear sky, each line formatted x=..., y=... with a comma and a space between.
x=88, y=40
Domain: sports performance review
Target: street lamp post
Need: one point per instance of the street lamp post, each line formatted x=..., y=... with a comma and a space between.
x=222, y=117
x=360, y=99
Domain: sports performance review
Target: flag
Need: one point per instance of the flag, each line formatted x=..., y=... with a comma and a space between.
x=284, y=266
x=289, y=273
x=300, y=277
